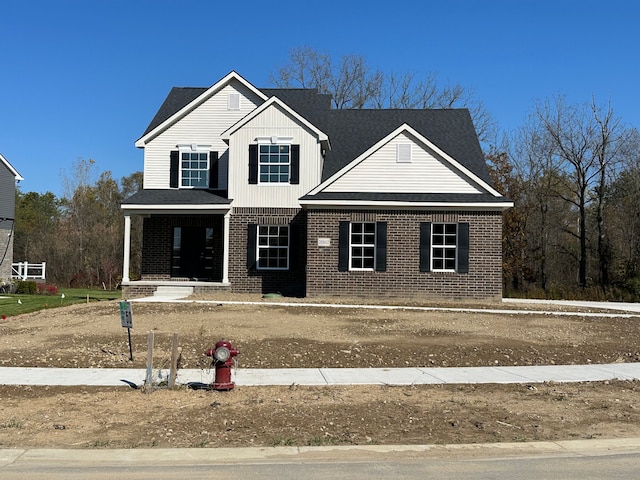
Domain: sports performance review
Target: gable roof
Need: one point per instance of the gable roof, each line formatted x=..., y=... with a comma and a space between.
x=306, y=101
x=274, y=101
x=486, y=196
x=13, y=171
x=352, y=132
x=181, y=101
x=452, y=163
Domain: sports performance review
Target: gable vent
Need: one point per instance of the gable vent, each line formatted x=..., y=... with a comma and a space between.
x=233, y=101
x=403, y=153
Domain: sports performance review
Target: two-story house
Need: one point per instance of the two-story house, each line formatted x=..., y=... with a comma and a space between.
x=8, y=178
x=273, y=191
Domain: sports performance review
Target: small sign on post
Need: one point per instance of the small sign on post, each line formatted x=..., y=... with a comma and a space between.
x=126, y=320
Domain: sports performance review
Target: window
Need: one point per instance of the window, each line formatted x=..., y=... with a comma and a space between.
x=444, y=247
x=274, y=163
x=273, y=247
x=362, y=246
x=194, y=169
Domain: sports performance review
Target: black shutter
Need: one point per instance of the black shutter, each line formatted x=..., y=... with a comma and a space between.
x=174, y=168
x=463, y=248
x=425, y=246
x=343, y=247
x=381, y=246
x=294, y=178
x=297, y=248
x=252, y=239
x=253, y=164
x=213, y=170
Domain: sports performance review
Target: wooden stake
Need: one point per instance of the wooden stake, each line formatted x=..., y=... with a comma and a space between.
x=149, y=380
x=174, y=361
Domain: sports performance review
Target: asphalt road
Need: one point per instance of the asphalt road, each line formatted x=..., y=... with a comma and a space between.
x=617, y=461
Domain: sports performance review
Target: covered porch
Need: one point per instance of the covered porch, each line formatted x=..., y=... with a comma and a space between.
x=185, y=242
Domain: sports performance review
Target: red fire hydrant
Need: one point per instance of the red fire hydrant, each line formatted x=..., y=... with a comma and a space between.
x=222, y=355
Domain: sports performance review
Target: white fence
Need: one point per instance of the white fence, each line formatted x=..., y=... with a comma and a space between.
x=28, y=271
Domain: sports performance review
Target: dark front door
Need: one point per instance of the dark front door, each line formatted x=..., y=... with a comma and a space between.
x=193, y=253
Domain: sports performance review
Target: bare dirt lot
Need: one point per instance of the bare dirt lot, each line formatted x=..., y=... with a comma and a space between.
x=270, y=336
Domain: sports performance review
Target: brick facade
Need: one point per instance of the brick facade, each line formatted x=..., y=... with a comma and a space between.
x=314, y=265
x=286, y=282
x=402, y=277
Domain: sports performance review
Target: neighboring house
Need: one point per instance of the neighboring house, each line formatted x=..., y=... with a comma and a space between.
x=8, y=178
x=272, y=191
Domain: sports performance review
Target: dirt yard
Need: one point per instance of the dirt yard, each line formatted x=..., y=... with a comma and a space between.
x=271, y=336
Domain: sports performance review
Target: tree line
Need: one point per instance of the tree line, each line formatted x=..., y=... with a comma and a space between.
x=81, y=234
x=572, y=170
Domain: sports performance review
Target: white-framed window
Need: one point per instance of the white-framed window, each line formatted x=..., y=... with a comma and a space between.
x=272, y=247
x=194, y=168
x=274, y=163
x=444, y=244
x=362, y=246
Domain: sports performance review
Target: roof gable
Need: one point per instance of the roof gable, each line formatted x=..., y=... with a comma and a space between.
x=182, y=101
x=14, y=172
x=274, y=102
x=432, y=170
x=352, y=132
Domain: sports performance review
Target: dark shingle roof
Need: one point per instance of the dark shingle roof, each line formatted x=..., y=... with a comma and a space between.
x=306, y=102
x=352, y=132
x=175, y=197
x=178, y=98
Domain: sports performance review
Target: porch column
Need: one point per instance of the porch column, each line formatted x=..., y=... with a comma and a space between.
x=127, y=248
x=225, y=247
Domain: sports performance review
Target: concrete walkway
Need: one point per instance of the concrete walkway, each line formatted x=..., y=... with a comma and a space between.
x=250, y=377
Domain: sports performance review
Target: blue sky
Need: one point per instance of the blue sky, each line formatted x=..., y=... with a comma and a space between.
x=83, y=78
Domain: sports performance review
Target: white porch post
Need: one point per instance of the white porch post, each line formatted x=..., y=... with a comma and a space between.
x=225, y=246
x=127, y=248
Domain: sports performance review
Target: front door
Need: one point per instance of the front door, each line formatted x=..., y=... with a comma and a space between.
x=193, y=253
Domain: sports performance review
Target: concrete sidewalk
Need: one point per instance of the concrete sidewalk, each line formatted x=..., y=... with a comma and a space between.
x=327, y=376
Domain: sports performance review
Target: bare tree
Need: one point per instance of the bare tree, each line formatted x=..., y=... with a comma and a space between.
x=353, y=84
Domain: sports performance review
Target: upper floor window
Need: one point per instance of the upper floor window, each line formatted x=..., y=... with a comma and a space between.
x=274, y=163
x=194, y=166
x=194, y=169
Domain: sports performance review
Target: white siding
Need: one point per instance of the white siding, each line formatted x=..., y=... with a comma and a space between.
x=272, y=122
x=202, y=126
x=381, y=173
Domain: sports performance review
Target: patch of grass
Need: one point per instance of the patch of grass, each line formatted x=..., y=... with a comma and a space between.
x=12, y=423
x=17, y=304
x=283, y=442
x=100, y=443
